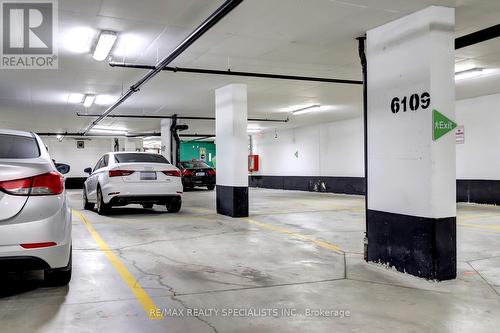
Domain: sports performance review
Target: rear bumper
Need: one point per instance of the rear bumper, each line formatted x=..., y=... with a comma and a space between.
x=31, y=226
x=118, y=192
x=123, y=200
x=19, y=264
x=201, y=181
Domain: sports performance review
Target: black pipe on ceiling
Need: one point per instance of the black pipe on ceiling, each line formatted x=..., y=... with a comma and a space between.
x=134, y=135
x=212, y=20
x=477, y=37
x=236, y=73
x=178, y=117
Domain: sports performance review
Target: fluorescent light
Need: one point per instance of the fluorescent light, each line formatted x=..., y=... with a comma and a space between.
x=467, y=74
x=306, y=109
x=104, y=45
x=109, y=130
x=105, y=99
x=88, y=101
x=75, y=98
x=78, y=39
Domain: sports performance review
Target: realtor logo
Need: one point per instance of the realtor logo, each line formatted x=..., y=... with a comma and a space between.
x=28, y=34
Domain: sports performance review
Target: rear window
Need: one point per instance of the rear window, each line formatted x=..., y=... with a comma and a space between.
x=140, y=158
x=194, y=165
x=16, y=146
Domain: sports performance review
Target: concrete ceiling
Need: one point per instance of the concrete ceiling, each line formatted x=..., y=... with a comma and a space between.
x=314, y=37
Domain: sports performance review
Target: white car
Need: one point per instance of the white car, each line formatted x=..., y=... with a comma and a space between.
x=123, y=178
x=35, y=219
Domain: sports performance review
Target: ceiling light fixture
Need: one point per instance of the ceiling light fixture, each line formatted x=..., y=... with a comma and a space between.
x=110, y=130
x=467, y=74
x=306, y=109
x=88, y=101
x=104, y=45
x=75, y=98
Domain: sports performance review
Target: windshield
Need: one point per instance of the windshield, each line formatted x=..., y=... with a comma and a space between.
x=194, y=165
x=15, y=146
x=140, y=158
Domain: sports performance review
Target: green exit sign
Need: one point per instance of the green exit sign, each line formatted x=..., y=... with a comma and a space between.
x=441, y=125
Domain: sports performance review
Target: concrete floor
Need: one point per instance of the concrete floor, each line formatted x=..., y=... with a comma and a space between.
x=297, y=251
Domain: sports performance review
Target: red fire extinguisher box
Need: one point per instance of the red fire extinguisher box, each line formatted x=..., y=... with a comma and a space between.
x=253, y=163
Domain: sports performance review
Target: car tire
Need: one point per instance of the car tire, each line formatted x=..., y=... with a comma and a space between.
x=102, y=208
x=174, y=205
x=59, y=277
x=86, y=204
x=147, y=206
x=210, y=187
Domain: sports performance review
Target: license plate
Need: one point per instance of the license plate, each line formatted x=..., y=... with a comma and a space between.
x=148, y=175
x=200, y=174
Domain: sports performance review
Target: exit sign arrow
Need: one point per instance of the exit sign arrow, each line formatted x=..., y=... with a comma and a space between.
x=441, y=125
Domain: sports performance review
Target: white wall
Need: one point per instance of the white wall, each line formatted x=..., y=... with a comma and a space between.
x=332, y=149
x=78, y=159
x=479, y=157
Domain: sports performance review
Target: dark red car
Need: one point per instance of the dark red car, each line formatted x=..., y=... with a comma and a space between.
x=197, y=173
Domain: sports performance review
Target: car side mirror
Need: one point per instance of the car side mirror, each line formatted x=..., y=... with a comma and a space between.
x=88, y=170
x=62, y=168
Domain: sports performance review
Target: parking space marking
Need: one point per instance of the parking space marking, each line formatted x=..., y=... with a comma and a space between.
x=293, y=234
x=141, y=295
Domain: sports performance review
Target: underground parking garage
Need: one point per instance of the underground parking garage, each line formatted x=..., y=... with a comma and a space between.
x=248, y=166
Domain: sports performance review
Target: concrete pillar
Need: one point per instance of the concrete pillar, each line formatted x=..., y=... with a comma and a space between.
x=411, y=213
x=167, y=142
x=232, y=150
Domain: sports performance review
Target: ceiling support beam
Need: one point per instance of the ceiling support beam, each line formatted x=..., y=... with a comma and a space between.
x=235, y=73
x=477, y=37
x=178, y=117
x=212, y=20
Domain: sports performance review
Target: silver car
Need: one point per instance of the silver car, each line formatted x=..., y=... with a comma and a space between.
x=35, y=218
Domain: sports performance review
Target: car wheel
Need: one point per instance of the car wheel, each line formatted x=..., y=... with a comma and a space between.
x=210, y=187
x=174, y=205
x=60, y=276
x=102, y=208
x=86, y=204
x=147, y=206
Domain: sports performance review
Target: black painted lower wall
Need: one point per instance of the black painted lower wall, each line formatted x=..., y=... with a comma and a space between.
x=478, y=191
x=345, y=185
x=424, y=247
x=474, y=191
x=75, y=182
x=232, y=201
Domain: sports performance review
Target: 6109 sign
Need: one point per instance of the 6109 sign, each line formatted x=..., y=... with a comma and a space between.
x=413, y=103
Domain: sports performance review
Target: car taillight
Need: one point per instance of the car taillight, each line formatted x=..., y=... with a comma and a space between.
x=187, y=173
x=172, y=173
x=51, y=183
x=120, y=173
x=211, y=172
x=37, y=245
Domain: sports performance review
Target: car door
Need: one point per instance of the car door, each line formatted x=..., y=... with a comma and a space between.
x=92, y=181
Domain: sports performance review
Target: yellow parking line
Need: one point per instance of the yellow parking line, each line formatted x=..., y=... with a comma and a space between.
x=479, y=226
x=317, y=242
x=141, y=295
